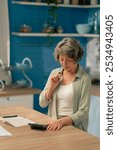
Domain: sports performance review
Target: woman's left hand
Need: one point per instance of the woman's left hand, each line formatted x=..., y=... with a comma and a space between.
x=56, y=125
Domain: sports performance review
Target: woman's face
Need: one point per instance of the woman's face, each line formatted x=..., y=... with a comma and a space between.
x=67, y=63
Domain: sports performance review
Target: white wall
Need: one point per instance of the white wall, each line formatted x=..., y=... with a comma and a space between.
x=4, y=32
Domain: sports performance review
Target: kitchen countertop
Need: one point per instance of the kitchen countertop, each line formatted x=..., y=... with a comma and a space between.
x=19, y=91
x=95, y=90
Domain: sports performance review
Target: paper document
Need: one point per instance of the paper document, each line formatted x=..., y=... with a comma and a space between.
x=4, y=132
x=17, y=121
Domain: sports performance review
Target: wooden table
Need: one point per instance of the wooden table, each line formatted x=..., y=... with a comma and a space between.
x=24, y=138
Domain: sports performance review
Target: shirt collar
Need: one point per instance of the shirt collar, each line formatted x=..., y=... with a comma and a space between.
x=78, y=74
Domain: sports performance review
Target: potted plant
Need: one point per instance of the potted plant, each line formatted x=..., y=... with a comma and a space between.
x=50, y=26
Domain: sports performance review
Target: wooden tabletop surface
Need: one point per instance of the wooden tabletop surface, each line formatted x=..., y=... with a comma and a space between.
x=24, y=138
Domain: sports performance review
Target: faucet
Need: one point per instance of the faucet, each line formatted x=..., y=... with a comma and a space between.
x=28, y=60
x=30, y=64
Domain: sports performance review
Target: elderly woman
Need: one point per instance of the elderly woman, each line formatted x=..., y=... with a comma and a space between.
x=67, y=92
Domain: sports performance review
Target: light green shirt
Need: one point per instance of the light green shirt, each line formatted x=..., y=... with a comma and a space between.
x=81, y=99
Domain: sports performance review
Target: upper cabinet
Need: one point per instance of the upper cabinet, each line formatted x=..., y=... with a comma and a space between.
x=65, y=20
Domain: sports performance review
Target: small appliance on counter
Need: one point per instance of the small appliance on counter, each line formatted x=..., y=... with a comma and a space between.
x=95, y=81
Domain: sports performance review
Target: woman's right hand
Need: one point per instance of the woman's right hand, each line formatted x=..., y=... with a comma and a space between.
x=53, y=83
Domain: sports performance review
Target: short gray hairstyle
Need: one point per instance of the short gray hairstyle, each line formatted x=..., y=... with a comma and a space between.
x=69, y=47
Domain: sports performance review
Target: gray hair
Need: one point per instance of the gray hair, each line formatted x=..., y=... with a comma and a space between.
x=69, y=47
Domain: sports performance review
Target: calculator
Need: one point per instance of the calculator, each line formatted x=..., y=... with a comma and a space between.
x=38, y=126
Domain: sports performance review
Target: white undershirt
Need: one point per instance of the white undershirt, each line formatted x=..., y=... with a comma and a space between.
x=65, y=100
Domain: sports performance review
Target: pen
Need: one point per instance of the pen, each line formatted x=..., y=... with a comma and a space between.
x=9, y=116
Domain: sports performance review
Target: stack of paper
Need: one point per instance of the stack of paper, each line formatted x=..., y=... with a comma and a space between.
x=4, y=132
x=17, y=121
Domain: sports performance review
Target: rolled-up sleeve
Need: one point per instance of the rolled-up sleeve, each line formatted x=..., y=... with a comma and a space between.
x=42, y=99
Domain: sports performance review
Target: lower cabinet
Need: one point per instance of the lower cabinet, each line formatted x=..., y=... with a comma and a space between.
x=25, y=100
x=94, y=116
